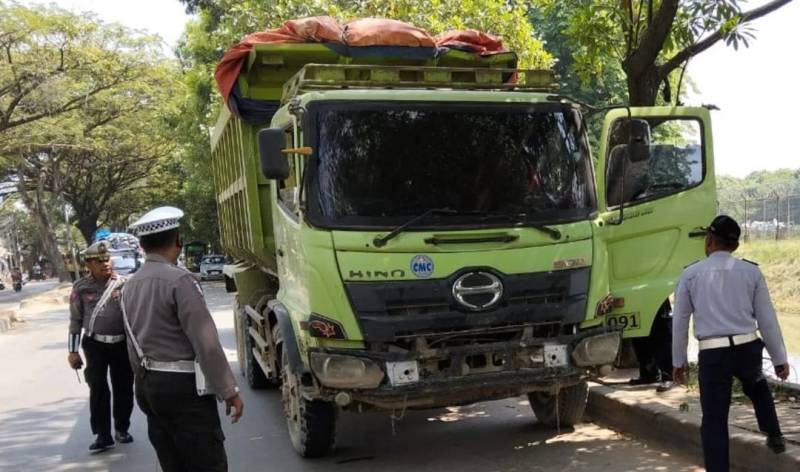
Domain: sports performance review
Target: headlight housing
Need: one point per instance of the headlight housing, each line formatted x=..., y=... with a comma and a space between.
x=597, y=350
x=338, y=371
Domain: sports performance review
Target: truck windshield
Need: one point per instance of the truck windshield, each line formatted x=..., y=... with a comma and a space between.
x=379, y=164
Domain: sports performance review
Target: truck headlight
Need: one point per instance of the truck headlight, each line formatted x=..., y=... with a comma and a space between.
x=337, y=371
x=596, y=350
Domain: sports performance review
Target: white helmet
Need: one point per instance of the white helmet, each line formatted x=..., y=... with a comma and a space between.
x=157, y=220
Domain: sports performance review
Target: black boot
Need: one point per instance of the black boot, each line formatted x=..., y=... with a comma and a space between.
x=102, y=443
x=776, y=444
x=123, y=437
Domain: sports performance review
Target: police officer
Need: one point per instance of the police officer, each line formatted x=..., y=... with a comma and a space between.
x=95, y=308
x=173, y=342
x=730, y=302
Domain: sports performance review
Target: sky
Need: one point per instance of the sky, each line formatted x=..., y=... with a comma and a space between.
x=756, y=88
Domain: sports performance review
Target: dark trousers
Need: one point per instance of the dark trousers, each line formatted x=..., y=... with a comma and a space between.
x=100, y=359
x=183, y=427
x=654, y=352
x=717, y=369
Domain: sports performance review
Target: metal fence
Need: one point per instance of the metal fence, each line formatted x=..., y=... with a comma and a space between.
x=776, y=217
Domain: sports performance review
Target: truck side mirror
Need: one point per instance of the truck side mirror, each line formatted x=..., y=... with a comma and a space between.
x=639, y=140
x=274, y=164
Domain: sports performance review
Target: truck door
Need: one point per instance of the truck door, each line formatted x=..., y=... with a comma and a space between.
x=656, y=193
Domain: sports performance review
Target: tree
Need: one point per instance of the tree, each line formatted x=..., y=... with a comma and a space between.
x=83, y=107
x=652, y=39
x=53, y=62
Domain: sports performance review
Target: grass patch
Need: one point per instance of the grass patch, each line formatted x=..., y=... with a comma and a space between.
x=780, y=263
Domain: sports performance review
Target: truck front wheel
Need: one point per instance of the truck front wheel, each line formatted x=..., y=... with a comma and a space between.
x=564, y=409
x=311, y=423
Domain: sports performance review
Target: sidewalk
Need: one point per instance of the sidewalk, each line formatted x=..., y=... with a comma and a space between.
x=672, y=419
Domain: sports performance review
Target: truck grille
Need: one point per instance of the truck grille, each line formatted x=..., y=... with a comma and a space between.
x=388, y=311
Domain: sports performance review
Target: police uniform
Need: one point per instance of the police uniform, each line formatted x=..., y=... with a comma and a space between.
x=730, y=302
x=95, y=310
x=173, y=340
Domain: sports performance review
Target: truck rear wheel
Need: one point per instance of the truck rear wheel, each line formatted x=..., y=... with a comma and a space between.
x=564, y=409
x=311, y=423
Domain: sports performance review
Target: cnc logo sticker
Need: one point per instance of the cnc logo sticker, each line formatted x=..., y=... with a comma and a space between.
x=422, y=266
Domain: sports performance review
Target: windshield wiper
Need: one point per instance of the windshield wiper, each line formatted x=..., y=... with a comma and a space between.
x=381, y=241
x=520, y=219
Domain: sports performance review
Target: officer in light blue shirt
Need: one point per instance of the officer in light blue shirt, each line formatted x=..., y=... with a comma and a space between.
x=730, y=303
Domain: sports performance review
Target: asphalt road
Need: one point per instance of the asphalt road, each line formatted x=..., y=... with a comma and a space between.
x=10, y=299
x=44, y=424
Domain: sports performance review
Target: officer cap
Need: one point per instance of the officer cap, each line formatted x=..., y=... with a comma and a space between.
x=98, y=251
x=157, y=220
x=726, y=228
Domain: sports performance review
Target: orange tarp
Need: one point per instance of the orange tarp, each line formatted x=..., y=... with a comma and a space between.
x=317, y=29
x=471, y=40
x=381, y=32
x=357, y=33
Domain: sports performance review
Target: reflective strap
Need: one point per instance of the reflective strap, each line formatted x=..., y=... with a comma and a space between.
x=727, y=341
x=107, y=338
x=128, y=329
x=185, y=367
x=74, y=342
x=103, y=300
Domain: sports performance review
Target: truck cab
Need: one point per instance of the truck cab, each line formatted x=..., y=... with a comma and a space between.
x=416, y=236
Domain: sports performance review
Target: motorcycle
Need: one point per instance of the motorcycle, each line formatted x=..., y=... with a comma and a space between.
x=17, y=286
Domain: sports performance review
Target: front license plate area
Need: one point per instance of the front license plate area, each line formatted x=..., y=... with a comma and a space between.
x=555, y=355
x=624, y=320
x=402, y=373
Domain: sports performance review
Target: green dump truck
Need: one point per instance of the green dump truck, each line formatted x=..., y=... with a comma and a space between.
x=414, y=234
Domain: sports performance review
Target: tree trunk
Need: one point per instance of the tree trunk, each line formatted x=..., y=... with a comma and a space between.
x=643, y=88
x=87, y=224
x=49, y=242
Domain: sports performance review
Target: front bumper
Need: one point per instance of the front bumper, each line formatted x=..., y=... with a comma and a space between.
x=463, y=374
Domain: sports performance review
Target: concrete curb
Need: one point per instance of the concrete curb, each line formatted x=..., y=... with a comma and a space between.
x=789, y=387
x=680, y=431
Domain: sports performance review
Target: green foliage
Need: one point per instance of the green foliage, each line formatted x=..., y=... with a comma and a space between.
x=85, y=112
x=759, y=184
x=650, y=40
x=54, y=62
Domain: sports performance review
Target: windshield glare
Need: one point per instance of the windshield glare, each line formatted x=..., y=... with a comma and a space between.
x=122, y=262
x=382, y=164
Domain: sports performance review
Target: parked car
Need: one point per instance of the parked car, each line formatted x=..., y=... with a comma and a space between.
x=211, y=267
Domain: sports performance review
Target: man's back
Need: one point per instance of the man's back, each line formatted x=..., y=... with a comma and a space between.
x=152, y=310
x=722, y=290
x=728, y=296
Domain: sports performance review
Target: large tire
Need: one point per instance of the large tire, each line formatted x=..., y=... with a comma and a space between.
x=311, y=423
x=239, y=334
x=568, y=411
x=255, y=377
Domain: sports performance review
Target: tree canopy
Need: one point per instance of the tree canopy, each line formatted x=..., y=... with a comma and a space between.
x=85, y=111
x=649, y=40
